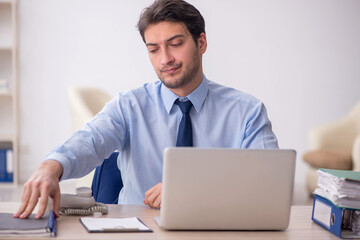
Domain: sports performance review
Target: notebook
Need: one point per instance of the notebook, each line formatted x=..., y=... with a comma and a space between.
x=226, y=189
x=29, y=227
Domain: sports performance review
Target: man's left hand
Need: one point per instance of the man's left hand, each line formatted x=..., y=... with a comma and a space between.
x=153, y=196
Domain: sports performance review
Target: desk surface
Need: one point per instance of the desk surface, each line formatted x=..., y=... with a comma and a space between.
x=69, y=227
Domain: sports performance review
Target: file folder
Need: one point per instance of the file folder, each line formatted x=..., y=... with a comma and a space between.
x=2, y=165
x=335, y=219
x=28, y=227
x=6, y=165
x=96, y=225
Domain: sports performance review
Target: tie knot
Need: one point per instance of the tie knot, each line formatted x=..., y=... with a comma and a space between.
x=184, y=106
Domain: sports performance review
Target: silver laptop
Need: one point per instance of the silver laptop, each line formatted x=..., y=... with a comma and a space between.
x=226, y=189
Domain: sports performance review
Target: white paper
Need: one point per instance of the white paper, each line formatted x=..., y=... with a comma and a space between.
x=341, y=192
x=102, y=224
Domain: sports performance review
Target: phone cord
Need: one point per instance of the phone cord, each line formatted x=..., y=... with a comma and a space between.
x=99, y=207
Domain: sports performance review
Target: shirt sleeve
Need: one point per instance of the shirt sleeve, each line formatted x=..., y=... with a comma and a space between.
x=88, y=147
x=258, y=132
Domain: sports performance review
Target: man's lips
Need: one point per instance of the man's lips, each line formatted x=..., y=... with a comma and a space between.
x=171, y=69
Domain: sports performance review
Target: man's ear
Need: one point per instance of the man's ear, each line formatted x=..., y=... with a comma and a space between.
x=202, y=43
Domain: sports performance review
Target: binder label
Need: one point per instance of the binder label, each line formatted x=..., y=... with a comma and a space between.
x=322, y=213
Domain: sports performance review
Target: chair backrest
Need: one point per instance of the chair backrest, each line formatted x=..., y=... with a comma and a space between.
x=355, y=115
x=85, y=103
x=107, y=182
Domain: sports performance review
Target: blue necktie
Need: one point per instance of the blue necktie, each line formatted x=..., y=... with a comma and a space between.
x=185, y=138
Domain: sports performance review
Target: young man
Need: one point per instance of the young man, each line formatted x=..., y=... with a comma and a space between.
x=142, y=122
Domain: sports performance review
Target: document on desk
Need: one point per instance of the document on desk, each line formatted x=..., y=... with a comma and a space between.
x=340, y=187
x=133, y=224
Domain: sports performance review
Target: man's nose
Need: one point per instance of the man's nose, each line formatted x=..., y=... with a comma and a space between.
x=166, y=57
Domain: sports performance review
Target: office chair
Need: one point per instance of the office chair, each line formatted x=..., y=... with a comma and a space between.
x=107, y=182
x=334, y=145
x=85, y=103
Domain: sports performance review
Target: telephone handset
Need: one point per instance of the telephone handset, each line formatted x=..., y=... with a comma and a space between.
x=82, y=203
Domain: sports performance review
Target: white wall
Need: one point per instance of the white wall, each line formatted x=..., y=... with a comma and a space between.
x=301, y=57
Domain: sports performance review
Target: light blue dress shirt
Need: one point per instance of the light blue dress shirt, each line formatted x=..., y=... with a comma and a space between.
x=142, y=122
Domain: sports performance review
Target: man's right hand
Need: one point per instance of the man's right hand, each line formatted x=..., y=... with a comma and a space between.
x=44, y=183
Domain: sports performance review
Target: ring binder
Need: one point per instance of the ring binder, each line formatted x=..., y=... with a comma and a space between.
x=335, y=219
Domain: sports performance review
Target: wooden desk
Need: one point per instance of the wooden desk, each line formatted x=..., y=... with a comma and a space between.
x=69, y=227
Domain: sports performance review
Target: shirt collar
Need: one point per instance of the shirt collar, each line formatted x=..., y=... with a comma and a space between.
x=197, y=97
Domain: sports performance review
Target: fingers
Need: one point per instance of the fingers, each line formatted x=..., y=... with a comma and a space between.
x=31, y=196
x=148, y=196
x=43, y=203
x=56, y=202
x=149, y=193
x=157, y=201
x=54, y=193
x=153, y=196
x=29, y=200
x=43, y=184
x=24, y=201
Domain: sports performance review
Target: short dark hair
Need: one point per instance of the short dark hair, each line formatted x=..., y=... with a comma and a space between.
x=172, y=11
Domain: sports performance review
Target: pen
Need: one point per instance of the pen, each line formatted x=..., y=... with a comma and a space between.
x=52, y=224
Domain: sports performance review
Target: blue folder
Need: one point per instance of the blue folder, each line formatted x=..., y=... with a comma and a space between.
x=5, y=175
x=2, y=165
x=332, y=218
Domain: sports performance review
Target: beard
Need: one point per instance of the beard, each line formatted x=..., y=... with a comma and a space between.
x=187, y=75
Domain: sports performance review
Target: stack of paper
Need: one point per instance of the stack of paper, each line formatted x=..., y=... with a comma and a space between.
x=340, y=187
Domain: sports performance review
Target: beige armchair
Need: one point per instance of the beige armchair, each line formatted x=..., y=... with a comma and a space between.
x=335, y=145
x=85, y=103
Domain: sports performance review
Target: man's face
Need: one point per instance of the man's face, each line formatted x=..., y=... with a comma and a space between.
x=173, y=54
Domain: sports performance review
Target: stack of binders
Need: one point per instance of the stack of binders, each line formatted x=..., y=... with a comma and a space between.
x=337, y=202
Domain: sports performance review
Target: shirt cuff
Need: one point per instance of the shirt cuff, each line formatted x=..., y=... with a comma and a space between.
x=65, y=163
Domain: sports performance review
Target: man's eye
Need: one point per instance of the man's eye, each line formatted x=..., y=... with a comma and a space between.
x=152, y=50
x=176, y=44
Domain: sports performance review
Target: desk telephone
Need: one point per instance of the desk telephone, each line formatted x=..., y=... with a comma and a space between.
x=82, y=203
